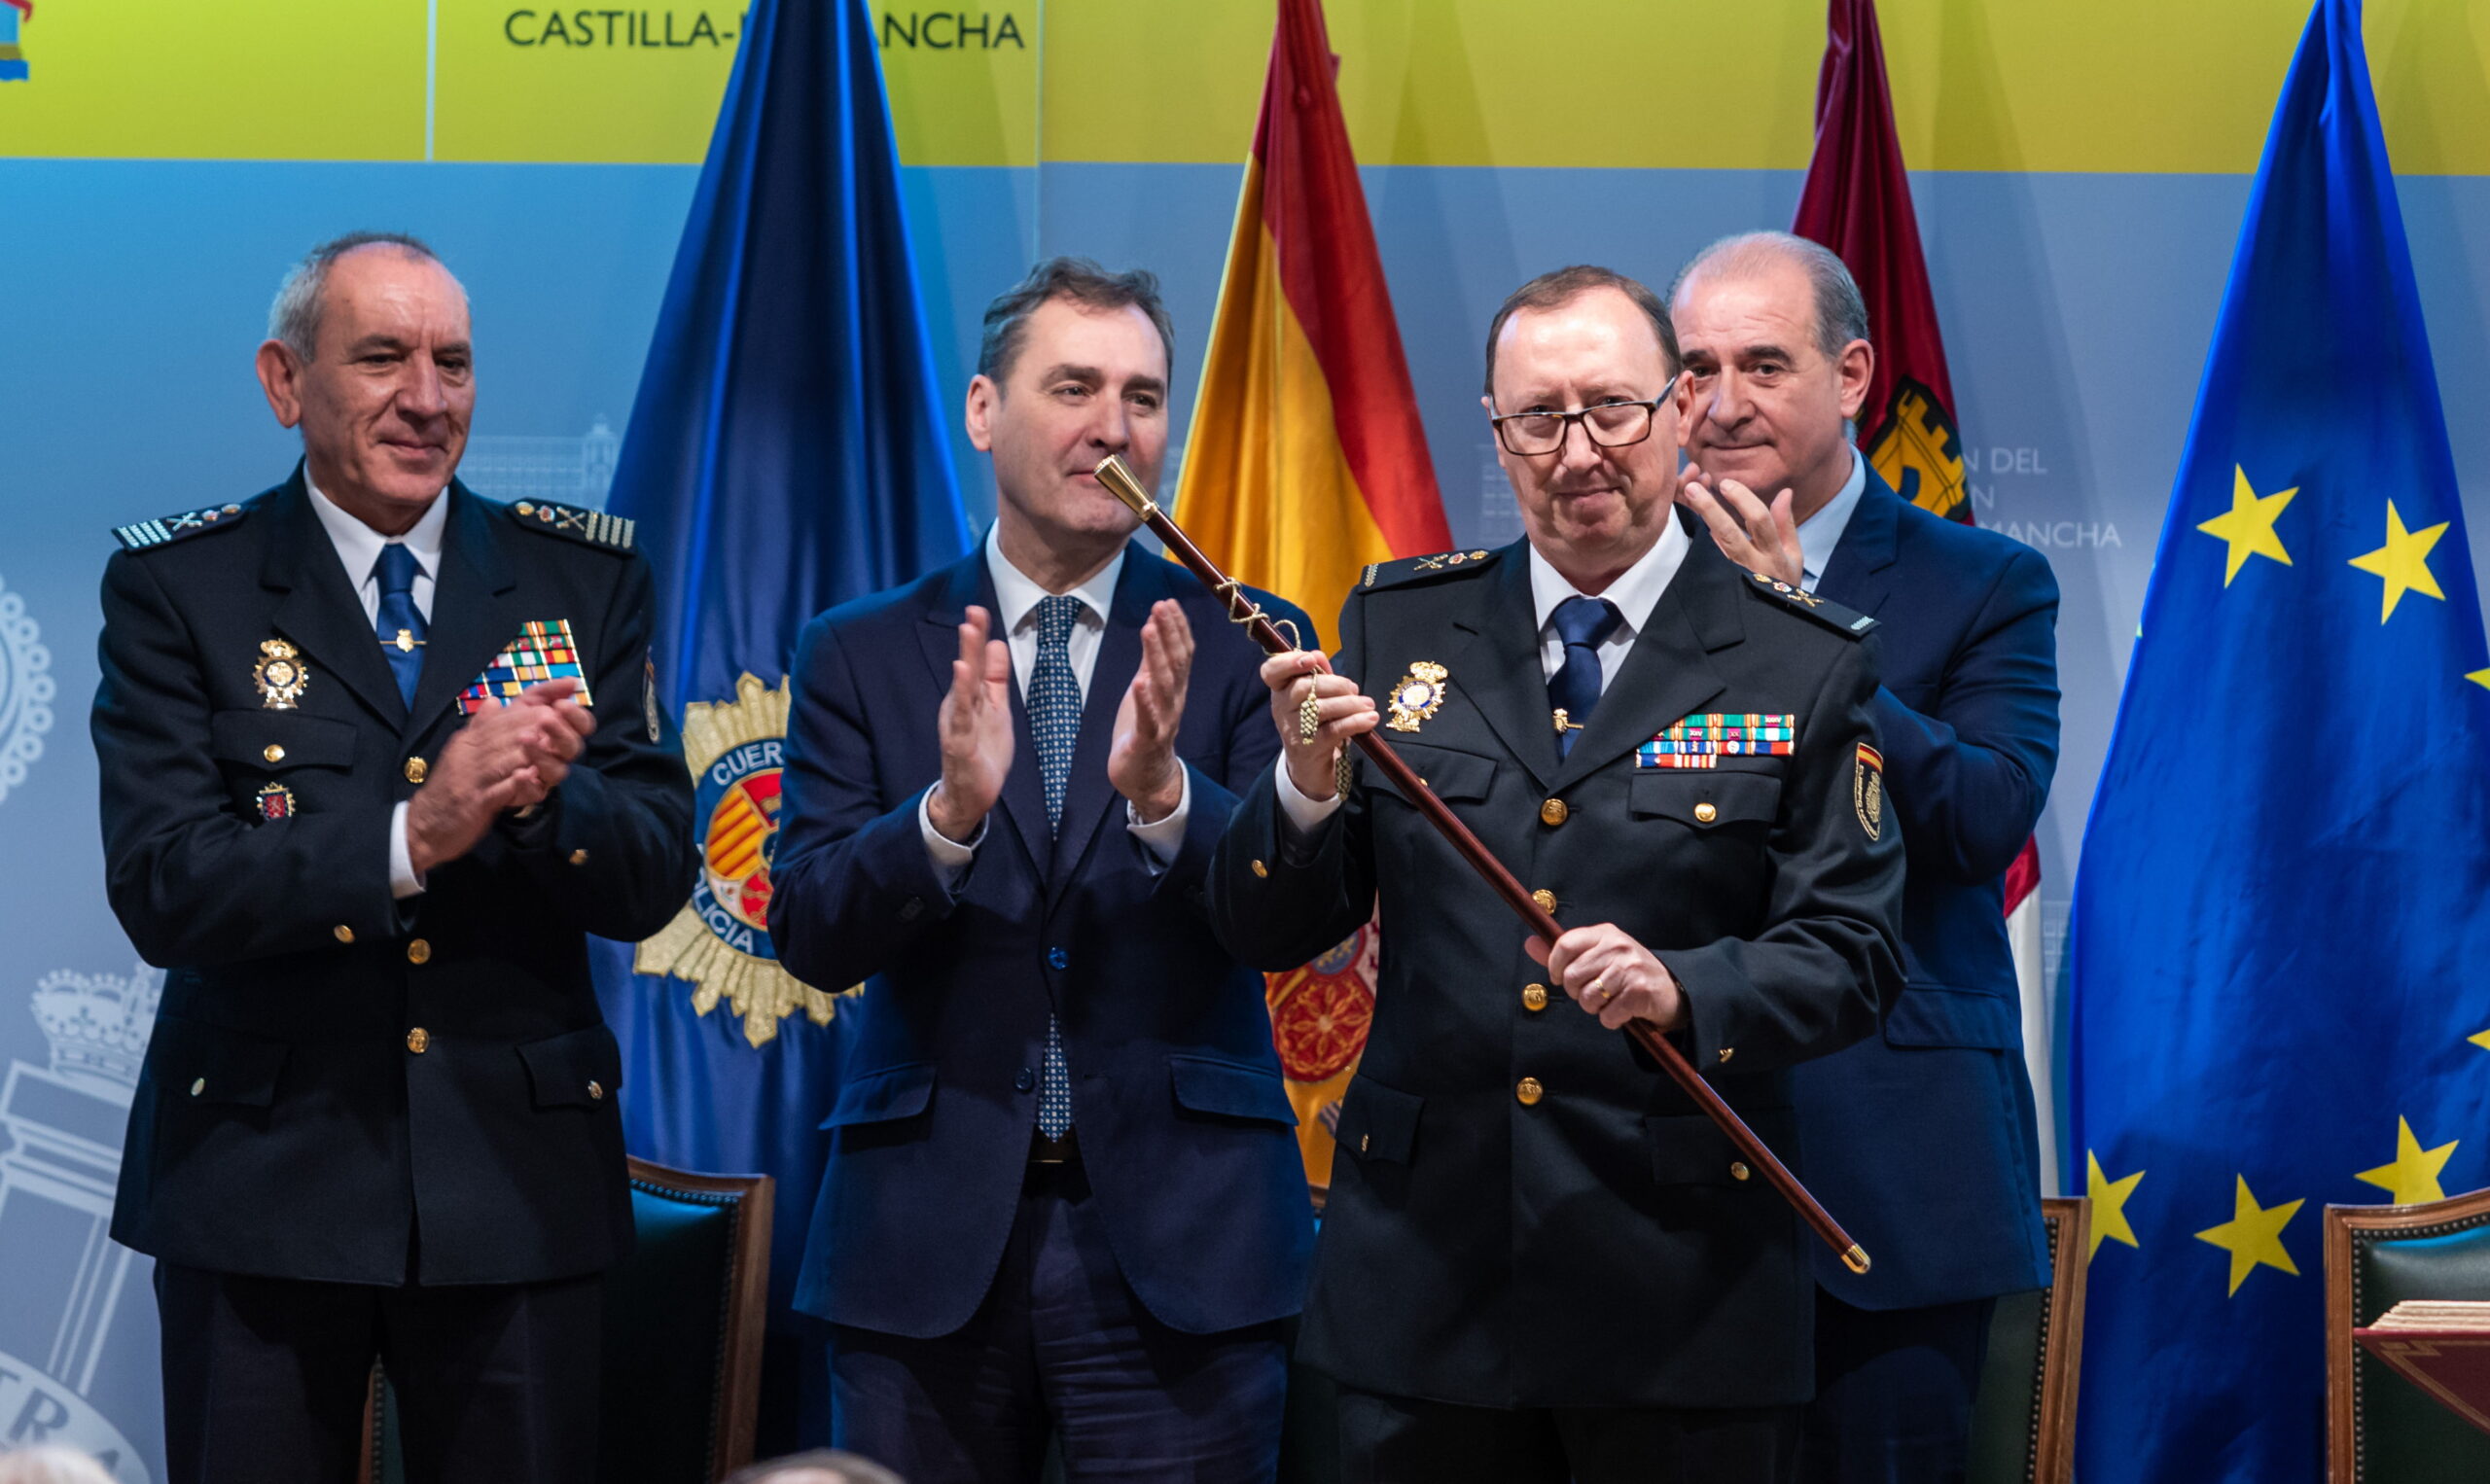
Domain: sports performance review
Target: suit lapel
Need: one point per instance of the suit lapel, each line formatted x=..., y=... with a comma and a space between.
x=322, y=612
x=1668, y=673
x=1499, y=667
x=475, y=608
x=1860, y=575
x=1024, y=798
x=1088, y=797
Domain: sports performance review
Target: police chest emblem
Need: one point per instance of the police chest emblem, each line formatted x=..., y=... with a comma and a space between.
x=276, y=802
x=280, y=675
x=1417, y=696
x=1868, y=791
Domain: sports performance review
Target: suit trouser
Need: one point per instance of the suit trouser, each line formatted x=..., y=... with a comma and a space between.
x=1408, y=1441
x=1894, y=1392
x=1062, y=1345
x=265, y=1378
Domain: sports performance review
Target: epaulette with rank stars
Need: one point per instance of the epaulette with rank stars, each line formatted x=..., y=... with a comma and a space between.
x=1832, y=615
x=1410, y=569
x=166, y=529
x=593, y=528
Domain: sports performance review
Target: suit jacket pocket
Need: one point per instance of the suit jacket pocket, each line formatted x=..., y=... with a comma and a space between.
x=880, y=1097
x=196, y=1063
x=276, y=741
x=1452, y=775
x=576, y=1068
x=1705, y=799
x=1380, y=1123
x=1230, y=1089
x=1940, y=1016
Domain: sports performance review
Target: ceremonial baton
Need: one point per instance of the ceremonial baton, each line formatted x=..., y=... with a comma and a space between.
x=1242, y=611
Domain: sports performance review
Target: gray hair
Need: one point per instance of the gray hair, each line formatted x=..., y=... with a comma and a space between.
x=847, y=1468
x=1082, y=282
x=1562, y=286
x=1841, y=314
x=294, y=319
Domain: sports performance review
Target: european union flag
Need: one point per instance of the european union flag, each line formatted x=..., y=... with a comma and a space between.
x=2282, y=948
x=786, y=454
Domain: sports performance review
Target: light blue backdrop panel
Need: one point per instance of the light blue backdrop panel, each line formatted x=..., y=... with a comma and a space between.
x=2075, y=307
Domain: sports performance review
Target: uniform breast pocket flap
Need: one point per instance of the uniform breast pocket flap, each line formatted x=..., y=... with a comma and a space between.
x=1380, y=1123
x=1229, y=1090
x=880, y=1097
x=1707, y=798
x=1452, y=775
x=579, y=1068
x=198, y=1063
x=275, y=741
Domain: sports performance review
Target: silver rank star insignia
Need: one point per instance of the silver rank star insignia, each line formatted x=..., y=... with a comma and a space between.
x=280, y=675
x=1415, y=698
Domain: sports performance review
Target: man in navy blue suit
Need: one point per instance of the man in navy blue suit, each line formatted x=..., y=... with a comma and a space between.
x=1923, y=1139
x=1064, y=1193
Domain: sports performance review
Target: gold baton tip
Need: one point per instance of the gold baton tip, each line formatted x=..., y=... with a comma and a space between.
x=1121, y=484
x=1855, y=1259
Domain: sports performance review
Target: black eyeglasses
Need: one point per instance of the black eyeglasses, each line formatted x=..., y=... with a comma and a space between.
x=1608, y=425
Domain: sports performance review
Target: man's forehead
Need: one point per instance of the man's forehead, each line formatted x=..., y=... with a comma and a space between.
x=1744, y=302
x=1581, y=338
x=383, y=282
x=1116, y=342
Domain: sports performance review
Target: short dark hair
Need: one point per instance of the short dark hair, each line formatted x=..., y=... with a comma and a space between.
x=1082, y=282
x=1548, y=291
x=294, y=319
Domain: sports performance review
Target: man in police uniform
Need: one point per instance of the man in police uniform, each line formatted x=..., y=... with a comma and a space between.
x=1540, y=1261
x=378, y=1115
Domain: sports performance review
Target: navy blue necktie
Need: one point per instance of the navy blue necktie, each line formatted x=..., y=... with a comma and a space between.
x=1583, y=623
x=1054, y=724
x=400, y=623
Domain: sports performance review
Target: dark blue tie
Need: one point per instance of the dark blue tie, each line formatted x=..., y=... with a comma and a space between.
x=1583, y=623
x=1054, y=724
x=400, y=623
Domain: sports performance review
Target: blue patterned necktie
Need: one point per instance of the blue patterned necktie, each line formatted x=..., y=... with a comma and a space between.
x=1583, y=623
x=1054, y=724
x=400, y=623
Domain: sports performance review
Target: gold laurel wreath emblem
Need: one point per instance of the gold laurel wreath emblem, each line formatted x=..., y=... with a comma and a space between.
x=758, y=990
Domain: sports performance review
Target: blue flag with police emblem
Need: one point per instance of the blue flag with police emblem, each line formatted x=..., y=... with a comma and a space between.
x=2280, y=924
x=786, y=454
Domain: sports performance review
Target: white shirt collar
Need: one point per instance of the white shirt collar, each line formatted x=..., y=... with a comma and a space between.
x=1820, y=533
x=359, y=544
x=1635, y=593
x=1016, y=593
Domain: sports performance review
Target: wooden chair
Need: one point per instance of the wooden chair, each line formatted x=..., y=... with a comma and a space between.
x=2024, y=1423
x=681, y=1374
x=2381, y=1428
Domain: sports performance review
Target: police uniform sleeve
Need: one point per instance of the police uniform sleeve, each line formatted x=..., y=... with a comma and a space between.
x=1829, y=958
x=611, y=849
x=190, y=881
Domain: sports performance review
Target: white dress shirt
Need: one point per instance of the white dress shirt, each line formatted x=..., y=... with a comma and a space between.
x=359, y=549
x=1820, y=533
x=1016, y=596
x=1635, y=592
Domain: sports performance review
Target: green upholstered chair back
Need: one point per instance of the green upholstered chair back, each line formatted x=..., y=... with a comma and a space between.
x=2023, y=1421
x=683, y=1324
x=2381, y=1428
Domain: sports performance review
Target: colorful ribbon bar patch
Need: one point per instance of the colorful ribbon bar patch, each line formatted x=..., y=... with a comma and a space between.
x=1702, y=740
x=542, y=652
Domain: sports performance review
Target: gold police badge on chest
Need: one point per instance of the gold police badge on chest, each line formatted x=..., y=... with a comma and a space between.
x=1417, y=697
x=280, y=675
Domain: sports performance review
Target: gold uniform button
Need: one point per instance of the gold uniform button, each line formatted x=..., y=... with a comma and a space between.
x=272, y=752
x=419, y=952
x=1545, y=899
x=1529, y=1092
x=198, y=1086
x=524, y=508
x=1728, y=1051
x=579, y=858
x=1552, y=812
x=417, y=768
x=342, y=933
x=596, y=1094
x=1738, y=1170
x=1705, y=814
x=1363, y=1141
x=1533, y=996
x=418, y=1039
x=1261, y=870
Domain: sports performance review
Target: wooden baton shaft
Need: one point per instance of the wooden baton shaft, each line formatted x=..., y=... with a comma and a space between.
x=1119, y=482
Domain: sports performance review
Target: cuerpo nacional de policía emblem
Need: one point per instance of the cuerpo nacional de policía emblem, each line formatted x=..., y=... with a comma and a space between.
x=720, y=941
x=25, y=691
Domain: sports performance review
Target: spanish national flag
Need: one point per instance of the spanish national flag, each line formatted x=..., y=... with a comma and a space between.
x=1306, y=460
